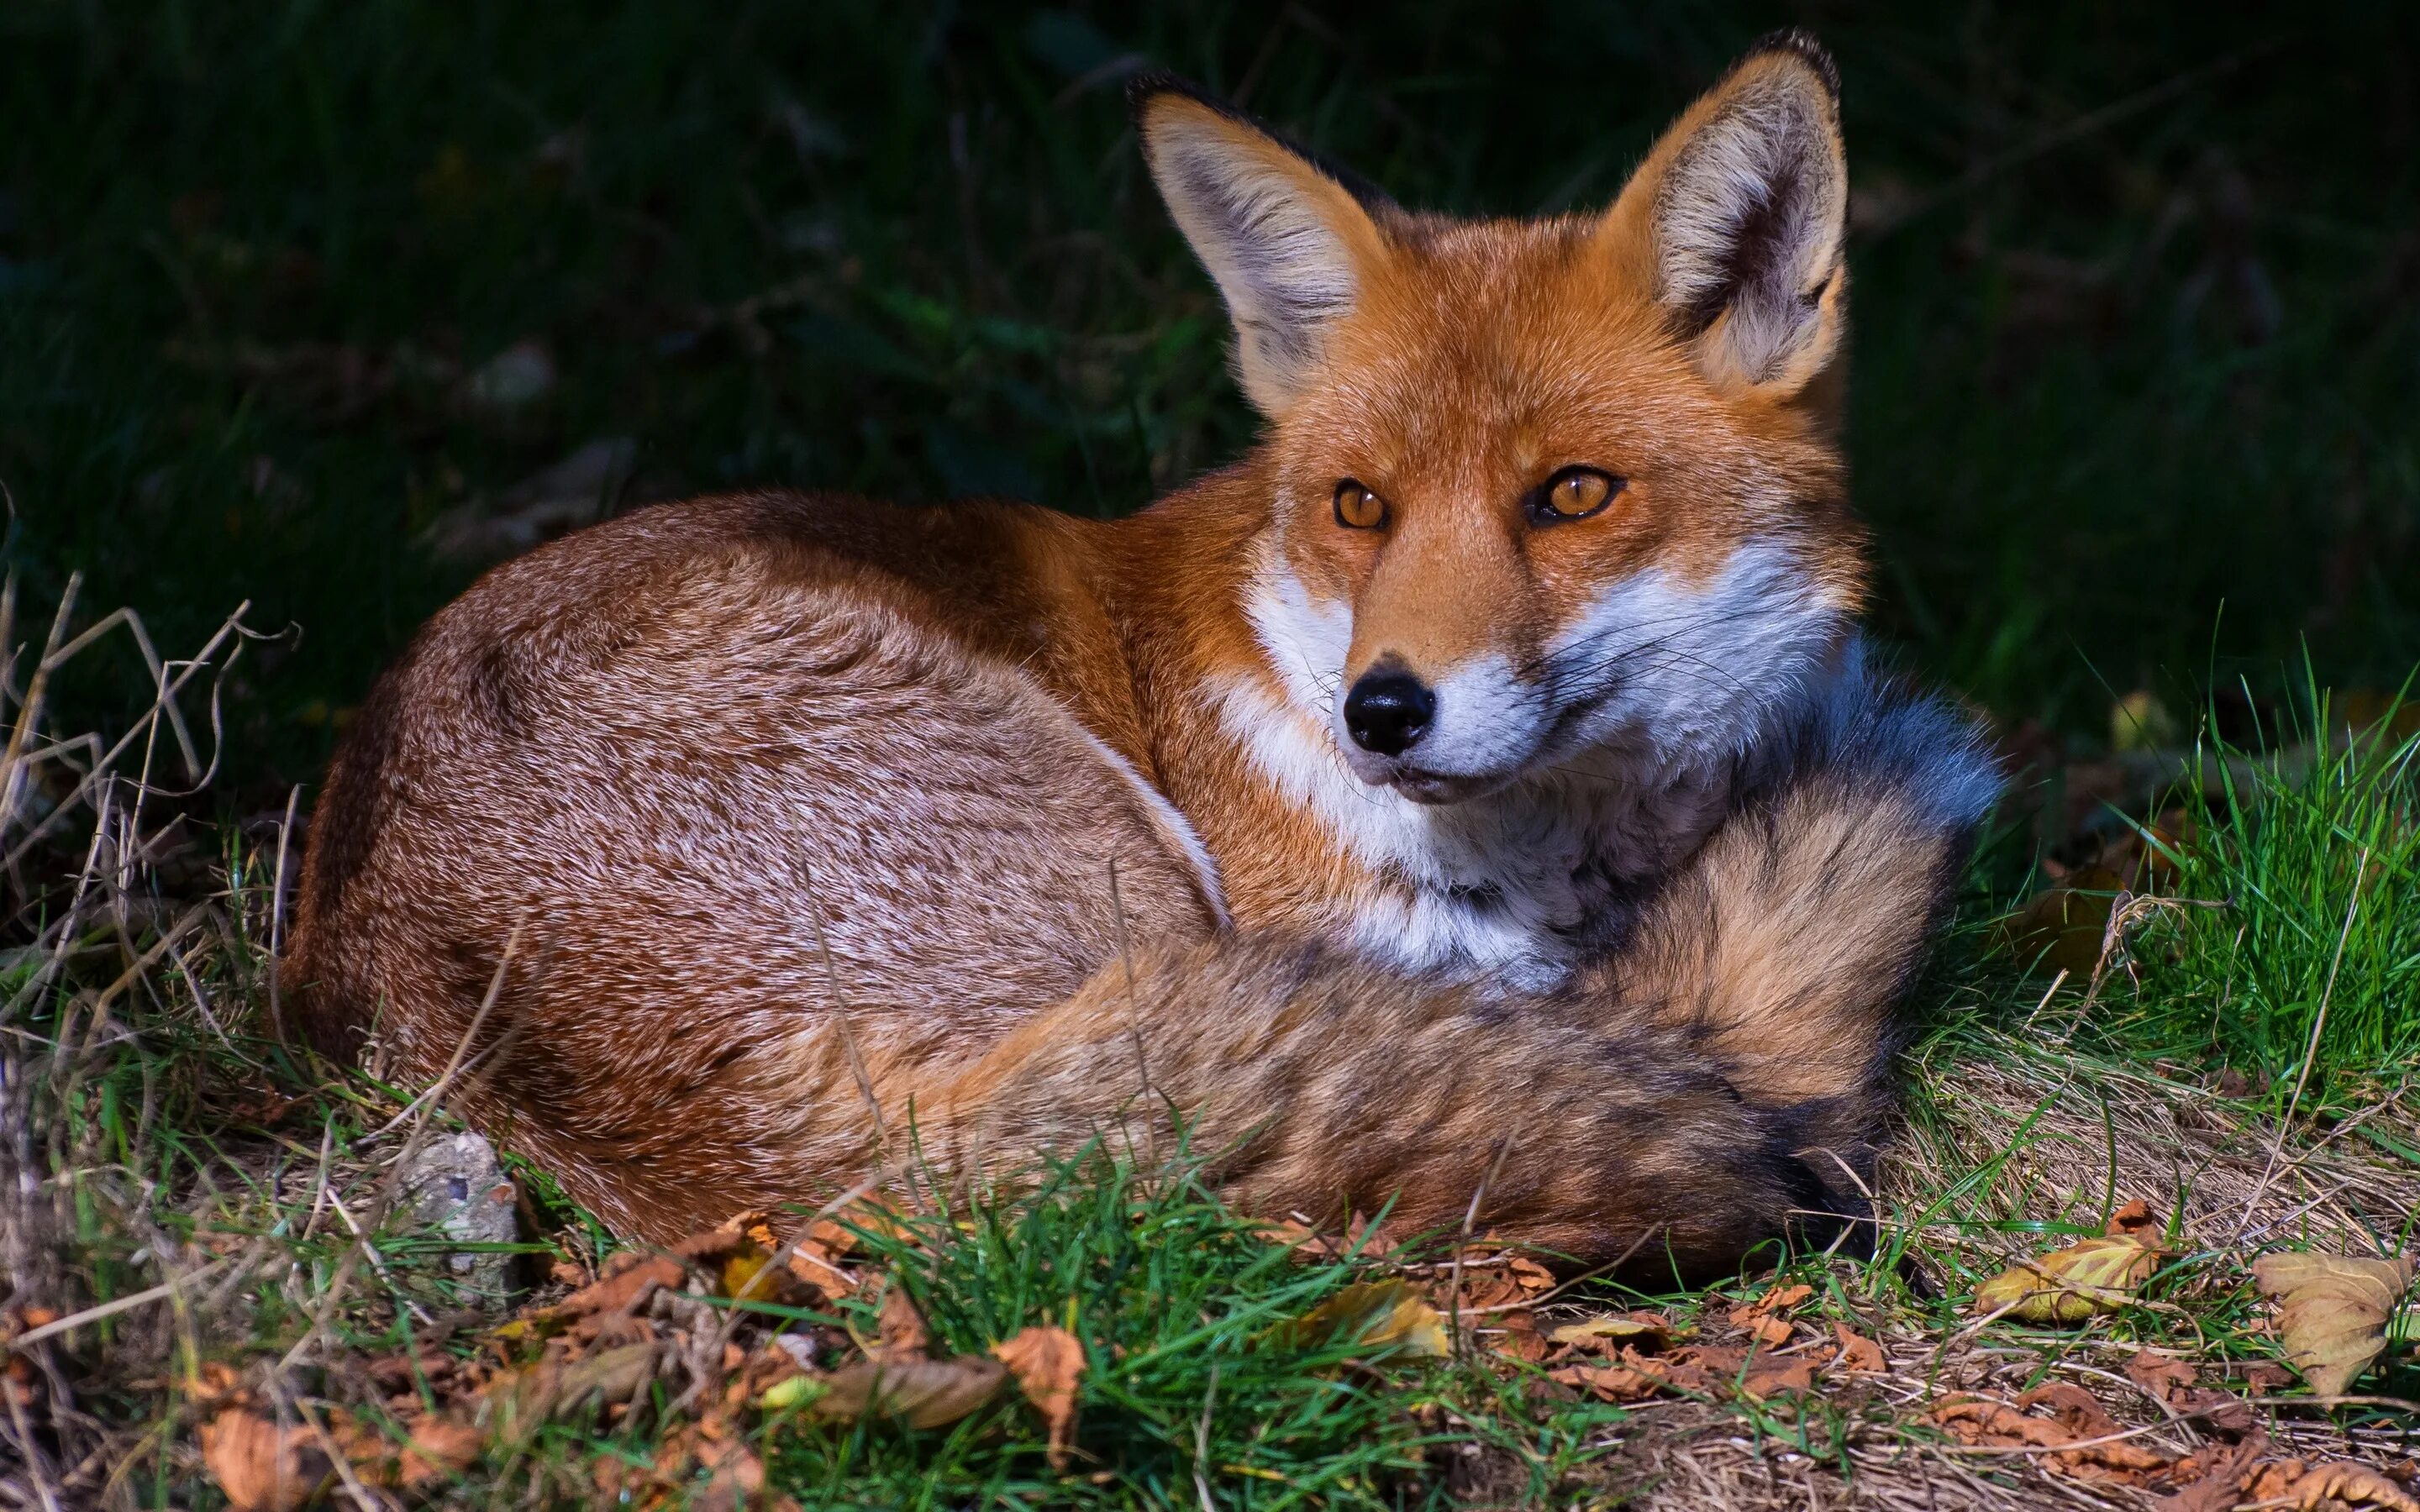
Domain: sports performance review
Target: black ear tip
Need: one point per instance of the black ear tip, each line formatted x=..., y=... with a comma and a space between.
x=1151, y=83
x=1800, y=44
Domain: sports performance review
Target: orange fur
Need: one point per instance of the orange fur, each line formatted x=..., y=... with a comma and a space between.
x=753, y=808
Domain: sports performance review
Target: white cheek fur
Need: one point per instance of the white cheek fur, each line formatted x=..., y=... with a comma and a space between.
x=1487, y=721
x=1511, y=882
x=1683, y=675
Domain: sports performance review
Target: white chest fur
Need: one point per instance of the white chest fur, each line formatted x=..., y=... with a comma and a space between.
x=1524, y=882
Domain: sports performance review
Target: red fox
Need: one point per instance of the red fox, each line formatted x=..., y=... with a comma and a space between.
x=1474, y=799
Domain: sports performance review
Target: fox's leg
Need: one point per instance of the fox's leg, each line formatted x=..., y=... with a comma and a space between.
x=1317, y=1085
x=1782, y=951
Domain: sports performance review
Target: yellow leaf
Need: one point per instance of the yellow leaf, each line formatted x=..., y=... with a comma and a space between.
x=741, y=1270
x=2139, y=721
x=1614, y=1330
x=2069, y=1286
x=1379, y=1315
x=2333, y=1311
x=790, y=1391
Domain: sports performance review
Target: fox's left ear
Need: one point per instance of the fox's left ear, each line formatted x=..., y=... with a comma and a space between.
x=1737, y=220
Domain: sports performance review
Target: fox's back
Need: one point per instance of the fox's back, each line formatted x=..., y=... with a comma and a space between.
x=701, y=755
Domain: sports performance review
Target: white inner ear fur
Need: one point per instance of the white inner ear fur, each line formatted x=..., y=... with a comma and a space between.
x=1265, y=223
x=1749, y=222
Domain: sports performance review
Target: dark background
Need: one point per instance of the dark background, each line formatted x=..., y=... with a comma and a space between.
x=2133, y=299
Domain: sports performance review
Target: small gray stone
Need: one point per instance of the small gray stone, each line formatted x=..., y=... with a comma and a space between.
x=457, y=1185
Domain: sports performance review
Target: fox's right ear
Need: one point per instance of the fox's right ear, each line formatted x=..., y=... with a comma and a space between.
x=1290, y=247
x=1737, y=222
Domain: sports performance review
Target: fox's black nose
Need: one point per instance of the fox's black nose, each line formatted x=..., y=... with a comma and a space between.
x=1387, y=710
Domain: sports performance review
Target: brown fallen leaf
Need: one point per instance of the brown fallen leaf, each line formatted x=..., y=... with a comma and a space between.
x=710, y=1247
x=2135, y=1221
x=515, y=1403
x=1763, y=1327
x=1048, y=1365
x=1377, y=1315
x=433, y=1450
x=1769, y=1374
x=2162, y=1375
x=1858, y=1353
x=2333, y=1311
x=2287, y=1483
x=735, y=1475
x=2217, y=1477
x=1714, y=1363
x=2270, y=1482
x=2063, y=928
x=739, y=1257
x=1636, y=1377
x=2070, y=1284
x=2169, y=1380
x=739, y=1253
x=816, y=1258
x=1306, y=1243
x=628, y=1280
x=900, y=1328
x=2262, y=1377
x=1999, y=1426
x=2078, y=1411
x=264, y=1466
x=1766, y=1319
x=922, y=1393
x=2079, y=1420
x=2392, y=716
x=1996, y=1423
x=1771, y=1332
x=1515, y=1336
x=735, y=1480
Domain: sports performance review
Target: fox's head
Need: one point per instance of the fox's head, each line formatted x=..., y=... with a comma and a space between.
x=1543, y=488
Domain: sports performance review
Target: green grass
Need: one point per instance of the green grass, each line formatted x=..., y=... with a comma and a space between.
x=2281, y=932
x=1182, y=1306
x=2317, y=862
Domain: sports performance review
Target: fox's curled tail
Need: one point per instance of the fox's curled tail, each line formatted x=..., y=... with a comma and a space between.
x=1719, y=1084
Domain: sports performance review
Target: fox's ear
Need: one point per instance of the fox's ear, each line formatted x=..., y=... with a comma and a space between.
x=1290, y=247
x=1736, y=221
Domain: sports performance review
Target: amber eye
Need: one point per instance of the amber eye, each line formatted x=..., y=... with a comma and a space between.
x=1357, y=508
x=1574, y=493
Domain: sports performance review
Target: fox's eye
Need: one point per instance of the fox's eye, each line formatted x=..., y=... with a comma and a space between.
x=1574, y=493
x=1357, y=508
